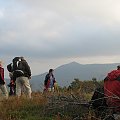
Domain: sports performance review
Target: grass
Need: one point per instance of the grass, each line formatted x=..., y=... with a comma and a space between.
x=40, y=107
x=23, y=109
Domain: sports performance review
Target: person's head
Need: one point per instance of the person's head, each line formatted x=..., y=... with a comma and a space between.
x=51, y=70
x=118, y=67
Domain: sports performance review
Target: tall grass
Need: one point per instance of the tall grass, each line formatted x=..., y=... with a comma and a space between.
x=23, y=108
x=41, y=107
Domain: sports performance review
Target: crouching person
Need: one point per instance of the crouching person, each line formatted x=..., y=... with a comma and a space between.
x=12, y=84
x=12, y=87
x=112, y=91
x=2, y=83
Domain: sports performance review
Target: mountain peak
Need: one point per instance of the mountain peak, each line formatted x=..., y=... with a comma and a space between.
x=73, y=62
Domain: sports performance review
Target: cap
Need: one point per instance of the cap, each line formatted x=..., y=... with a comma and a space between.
x=118, y=67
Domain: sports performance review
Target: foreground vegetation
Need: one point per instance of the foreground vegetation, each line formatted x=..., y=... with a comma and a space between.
x=67, y=104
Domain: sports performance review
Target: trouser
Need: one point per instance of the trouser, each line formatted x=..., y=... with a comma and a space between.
x=51, y=89
x=23, y=82
x=4, y=91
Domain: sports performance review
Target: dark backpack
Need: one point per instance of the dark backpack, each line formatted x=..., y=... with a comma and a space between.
x=98, y=99
x=46, y=79
x=10, y=67
x=18, y=68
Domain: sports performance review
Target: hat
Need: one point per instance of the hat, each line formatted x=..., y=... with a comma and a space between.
x=118, y=66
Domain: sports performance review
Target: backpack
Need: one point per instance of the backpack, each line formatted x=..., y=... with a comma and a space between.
x=46, y=79
x=18, y=67
x=10, y=67
x=98, y=98
x=112, y=90
x=98, y=102
x=113, y=75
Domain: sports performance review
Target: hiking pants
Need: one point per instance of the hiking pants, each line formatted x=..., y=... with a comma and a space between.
x=4, y=91
x=23, y=82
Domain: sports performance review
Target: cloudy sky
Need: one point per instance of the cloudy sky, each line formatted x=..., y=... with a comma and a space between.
x=49, y=33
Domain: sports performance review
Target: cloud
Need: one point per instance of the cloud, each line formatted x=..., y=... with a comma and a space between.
x=71, y=8
x=60, y=29
x=1, y=14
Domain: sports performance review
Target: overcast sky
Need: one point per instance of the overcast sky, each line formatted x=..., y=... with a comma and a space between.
x=49, y=33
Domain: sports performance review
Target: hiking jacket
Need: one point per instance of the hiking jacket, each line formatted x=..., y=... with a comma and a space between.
x=47, y=81
x=26, y=69
x=112, y=89
x=23, y=67
x=2, y=76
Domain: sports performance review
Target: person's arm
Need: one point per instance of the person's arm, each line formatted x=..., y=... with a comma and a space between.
x=2, y=75
x=54, y=80
x=46, y=79
x=27, y=69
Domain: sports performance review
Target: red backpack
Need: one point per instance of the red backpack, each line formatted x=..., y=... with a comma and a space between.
x=112, y=89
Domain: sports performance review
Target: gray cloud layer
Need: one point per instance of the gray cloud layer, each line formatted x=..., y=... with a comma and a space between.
x=53, y=32
x=65, y=28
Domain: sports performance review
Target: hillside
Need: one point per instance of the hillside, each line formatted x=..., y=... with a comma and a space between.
x=65, y=74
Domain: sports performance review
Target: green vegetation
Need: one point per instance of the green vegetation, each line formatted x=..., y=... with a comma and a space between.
x=23, y=109
x=63, y=105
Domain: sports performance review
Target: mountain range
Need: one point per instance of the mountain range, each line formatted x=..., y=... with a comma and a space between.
x=66, y=73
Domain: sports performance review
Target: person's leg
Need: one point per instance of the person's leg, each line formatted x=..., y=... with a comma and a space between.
x=11, y=91
x=27, y=87
x=52, y=89
x=49, y=89
x=18, y=86
x=4, y=91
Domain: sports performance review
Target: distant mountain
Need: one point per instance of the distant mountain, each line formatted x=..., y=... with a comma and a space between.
x=65, y=74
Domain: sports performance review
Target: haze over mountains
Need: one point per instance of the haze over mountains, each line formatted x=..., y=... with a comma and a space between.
x=66, y=73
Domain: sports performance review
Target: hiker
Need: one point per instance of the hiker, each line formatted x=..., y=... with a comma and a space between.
x=112, y=89
x=22, y=74
x=49, y=81
x=12, y=84
x=2, y=82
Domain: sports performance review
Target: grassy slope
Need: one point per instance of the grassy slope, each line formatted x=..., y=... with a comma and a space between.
x=34, y=109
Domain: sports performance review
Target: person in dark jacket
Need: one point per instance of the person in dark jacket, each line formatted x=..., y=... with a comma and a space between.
x=49, y=81
x=12, y=84
x=2, y=82
x=22, y=73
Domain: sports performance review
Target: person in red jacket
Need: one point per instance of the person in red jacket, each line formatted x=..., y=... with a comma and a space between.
x=112, y=89
x=2, y=82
